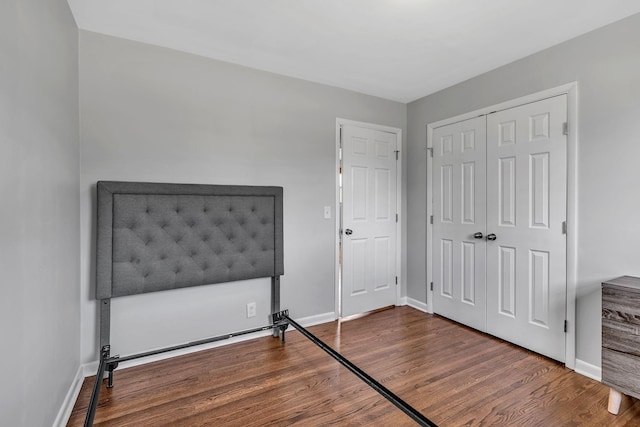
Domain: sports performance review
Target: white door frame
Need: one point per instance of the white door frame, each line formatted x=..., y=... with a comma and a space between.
x=338, y=212
x=571, y=90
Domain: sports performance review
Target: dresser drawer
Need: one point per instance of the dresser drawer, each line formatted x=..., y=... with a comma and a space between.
x=621, y=304
x=620, y=370
x=621, y=337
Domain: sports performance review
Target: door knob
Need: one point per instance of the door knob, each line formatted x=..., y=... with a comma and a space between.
x=491, y=236
x=348, y=232
x=478, y=235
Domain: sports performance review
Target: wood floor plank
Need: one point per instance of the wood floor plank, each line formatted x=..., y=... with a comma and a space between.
x=454, y=375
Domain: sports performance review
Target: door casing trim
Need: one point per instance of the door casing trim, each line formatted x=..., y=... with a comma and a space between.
x=571, y=90
x=398, y=132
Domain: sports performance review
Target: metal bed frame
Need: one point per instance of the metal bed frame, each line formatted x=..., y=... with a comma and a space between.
x=153, y=237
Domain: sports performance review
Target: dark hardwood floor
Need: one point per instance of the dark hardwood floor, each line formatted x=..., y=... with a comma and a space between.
x=452, y=374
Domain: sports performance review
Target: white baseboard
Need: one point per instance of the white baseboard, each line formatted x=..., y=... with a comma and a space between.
x=588, y=370
x=418, y=305
x=91, y=368
x=317, y=319
x=70, y=399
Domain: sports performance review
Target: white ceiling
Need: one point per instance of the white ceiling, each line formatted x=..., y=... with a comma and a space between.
x=395, y=49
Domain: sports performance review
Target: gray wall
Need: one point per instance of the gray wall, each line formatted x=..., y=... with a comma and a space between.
x=606, y=65
x=39, y=233
x=155, y=114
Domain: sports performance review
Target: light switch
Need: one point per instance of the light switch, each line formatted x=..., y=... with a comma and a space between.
x=327, y=212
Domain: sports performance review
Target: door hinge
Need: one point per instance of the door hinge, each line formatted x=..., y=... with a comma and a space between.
x=564, y=227
x=565, y=128
x=396, y=217
x=431, y=286
x=431, y=219
x=430, y=150
x=566, y=326
x=396, y=280
x=397, y=154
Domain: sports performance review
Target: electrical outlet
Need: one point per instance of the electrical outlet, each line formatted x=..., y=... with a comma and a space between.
x=327, y=212
x=251, y=309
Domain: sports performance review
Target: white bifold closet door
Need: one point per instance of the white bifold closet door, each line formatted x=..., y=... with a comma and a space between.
x=459, y=169
x=523, y=246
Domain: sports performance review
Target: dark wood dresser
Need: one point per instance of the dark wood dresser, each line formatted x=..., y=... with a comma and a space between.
x=621, y=338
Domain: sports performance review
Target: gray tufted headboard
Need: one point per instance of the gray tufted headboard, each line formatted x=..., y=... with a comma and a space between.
x=153, y=237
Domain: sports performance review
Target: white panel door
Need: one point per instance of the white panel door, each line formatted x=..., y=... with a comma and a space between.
x=526, y=208
x=459, y=161
x=369, y=219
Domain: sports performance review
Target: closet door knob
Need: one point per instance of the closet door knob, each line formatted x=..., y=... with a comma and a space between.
x=491, y=236
x=478, y=235
x=348, y=232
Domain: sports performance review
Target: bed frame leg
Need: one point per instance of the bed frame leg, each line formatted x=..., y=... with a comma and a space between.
x=110, y=368
x=280, y=323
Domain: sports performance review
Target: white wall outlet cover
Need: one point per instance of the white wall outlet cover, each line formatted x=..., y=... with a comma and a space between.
x=327, y=212
x=251, y=309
